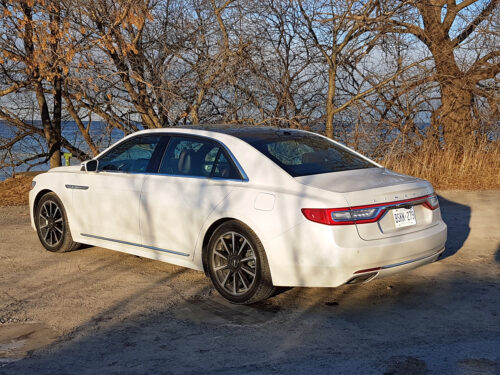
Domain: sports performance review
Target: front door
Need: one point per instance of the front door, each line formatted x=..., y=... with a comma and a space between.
x=107, y=201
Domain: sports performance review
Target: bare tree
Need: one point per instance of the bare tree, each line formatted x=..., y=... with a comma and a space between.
x=34, y=56
x=463, y=40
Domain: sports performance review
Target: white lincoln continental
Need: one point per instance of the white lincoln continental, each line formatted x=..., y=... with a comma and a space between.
x=254, y=208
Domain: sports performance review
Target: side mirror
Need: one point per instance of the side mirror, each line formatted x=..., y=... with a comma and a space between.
x=91, y=165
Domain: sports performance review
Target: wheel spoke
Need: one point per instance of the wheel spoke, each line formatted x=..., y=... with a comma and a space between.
x=220, y=268
x=224, y=244
x=242, y=279
x=46, y=234
x=251, y=273
x=59, y=230
x=234, y=282
x=51, y=242
x=233, y=241
x=225, y=279
x=220, y=255
x=251, y=257
x=58, y=220
x=242, y=245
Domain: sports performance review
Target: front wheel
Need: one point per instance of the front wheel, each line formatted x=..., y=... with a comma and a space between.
x=237, y=264
x=52, y=225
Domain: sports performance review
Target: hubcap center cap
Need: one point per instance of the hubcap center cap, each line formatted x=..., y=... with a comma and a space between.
x=234, y=262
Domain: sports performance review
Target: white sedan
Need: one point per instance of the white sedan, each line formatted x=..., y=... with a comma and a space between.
x=254, y=208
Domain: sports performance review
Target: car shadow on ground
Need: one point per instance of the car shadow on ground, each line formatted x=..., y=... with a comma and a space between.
x=457, y=217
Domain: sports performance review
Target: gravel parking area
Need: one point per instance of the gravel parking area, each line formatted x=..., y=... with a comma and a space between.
x=99, y=311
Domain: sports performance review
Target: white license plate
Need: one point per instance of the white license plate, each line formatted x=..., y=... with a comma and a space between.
x=404, y=217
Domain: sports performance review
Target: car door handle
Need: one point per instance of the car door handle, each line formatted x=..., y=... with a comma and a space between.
x=76, y=187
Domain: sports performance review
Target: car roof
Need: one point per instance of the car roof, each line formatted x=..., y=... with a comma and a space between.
x=245, y=133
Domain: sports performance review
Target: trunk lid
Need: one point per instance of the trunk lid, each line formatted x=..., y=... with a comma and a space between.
x=377, y=186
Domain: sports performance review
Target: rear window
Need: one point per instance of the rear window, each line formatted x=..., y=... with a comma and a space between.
x=302, y=154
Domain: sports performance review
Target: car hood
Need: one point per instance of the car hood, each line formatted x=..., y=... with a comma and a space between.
x=368, y=186
x=71, y=168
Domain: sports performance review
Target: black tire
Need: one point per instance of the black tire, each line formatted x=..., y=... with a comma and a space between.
x=52, y=225
x=234, y=253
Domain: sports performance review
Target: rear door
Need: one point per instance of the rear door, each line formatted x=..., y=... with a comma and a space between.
x=107, y=201
x=194, y=177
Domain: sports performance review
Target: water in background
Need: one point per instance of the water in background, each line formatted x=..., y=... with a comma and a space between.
x=101, y=133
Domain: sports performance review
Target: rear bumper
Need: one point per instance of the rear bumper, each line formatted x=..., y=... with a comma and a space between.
x=314, y=255
x=390, y=269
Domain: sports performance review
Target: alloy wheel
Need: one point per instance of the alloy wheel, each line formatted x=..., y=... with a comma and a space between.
x=51, y=223
x=234, y=263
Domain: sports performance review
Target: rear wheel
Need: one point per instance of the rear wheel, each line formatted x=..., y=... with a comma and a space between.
x=237, y=264
x=52, y=225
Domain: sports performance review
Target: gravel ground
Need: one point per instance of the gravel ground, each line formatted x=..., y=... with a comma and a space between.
x=99, y=311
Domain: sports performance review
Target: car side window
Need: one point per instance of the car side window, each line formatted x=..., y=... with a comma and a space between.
x=132, y=156
x=196, y=157
x=224, y=169
x=189, y=156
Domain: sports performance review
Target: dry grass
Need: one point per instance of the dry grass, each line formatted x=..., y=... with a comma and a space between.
x=476, y=168
x=14, y=191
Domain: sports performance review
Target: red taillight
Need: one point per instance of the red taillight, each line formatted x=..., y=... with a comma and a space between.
x=318, y=215
x=363, y=214
x=342, y=216
x=431, y=202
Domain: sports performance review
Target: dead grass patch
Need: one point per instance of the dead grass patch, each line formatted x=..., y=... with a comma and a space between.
x=475, y=168
x=14, y=191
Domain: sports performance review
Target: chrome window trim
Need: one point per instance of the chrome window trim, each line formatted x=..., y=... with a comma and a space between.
x=228, y=151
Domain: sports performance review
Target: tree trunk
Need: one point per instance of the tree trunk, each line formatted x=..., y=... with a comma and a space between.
x=455, y=114
x=51, y=136
x=330, y=105
x=55, y=158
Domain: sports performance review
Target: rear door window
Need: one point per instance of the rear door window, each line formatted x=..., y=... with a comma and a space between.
x=197, y=157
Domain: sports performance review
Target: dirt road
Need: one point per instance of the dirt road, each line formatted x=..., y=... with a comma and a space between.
x=98, y=311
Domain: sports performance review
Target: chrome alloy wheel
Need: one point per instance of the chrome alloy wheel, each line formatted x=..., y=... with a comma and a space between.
x=51, y=223
x=234, y=263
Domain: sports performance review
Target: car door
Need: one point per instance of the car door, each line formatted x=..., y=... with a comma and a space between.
x=107, y=201
x=195, y=176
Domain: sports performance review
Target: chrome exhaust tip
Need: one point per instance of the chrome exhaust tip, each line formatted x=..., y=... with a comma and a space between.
x=363, y=278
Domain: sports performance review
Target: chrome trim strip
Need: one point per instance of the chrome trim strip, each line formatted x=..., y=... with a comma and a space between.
x=135, y=244
x=76, y=187
x=411, y=261
x=388, y=206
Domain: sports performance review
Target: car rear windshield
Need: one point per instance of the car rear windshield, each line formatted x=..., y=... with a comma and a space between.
x=303, y=154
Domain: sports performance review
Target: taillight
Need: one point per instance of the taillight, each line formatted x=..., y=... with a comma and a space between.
x=364, y=214
x=432, y=202
x=343, y=216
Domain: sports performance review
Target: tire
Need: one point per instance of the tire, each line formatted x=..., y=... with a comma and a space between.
x=237, y=264
x=52, y=225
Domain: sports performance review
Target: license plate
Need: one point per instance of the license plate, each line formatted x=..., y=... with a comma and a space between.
x=404, y=217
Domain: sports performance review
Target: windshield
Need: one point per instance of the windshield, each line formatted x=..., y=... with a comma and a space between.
x=302, y=154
